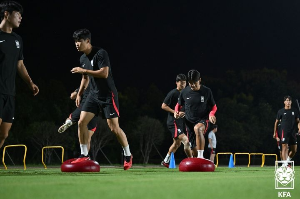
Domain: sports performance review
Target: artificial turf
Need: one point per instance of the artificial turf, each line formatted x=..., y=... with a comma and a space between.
x=143, y=183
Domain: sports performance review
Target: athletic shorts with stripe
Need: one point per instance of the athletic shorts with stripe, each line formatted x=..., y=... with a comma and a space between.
x=7, y=108
x=108, y=107
x=177, y=127
x=288, y=137
x=190, y=129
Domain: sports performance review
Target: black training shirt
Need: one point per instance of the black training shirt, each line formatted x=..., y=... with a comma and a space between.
x=288, y=118
x=97, y=59
x=11, y=51
x=171, y=101
x=197, y=104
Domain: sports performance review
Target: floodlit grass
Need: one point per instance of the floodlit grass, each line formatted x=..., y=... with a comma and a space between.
x=143, y=183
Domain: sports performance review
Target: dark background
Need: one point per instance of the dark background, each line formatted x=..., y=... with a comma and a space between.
x=152, y=41
x=246, y=51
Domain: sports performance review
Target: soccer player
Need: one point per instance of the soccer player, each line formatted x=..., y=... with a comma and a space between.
x=200, y=109
x=11, y=62
x=176, y=126
x=212, y=142
x=289, y=118
x=95, y=66
x=74, y=117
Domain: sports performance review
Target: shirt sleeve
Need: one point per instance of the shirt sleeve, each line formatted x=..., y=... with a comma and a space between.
x=102, y=59
x=168, y=99
x=278, y=117
x=21, y=57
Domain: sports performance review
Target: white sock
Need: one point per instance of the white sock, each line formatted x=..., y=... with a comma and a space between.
x=126, y=151
x=84, y=149
x=200, y=153
x=288, y=158
x=167, y=158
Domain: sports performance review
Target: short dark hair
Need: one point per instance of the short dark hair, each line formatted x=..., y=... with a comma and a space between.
x=10, y=6
x=287, y=97
x=193, y=75
x=82, y=34
x=180, y=77
x=215, y=126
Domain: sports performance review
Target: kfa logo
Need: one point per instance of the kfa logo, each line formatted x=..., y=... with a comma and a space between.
x=17, y=43
x=284, y=194
x=284, y=177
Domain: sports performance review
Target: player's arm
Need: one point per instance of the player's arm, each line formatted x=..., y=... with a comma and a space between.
x=212, y=117
x=84, y=82
x=22, y=71
x=275, y=135
x=166, y=108
x=210, y=143
x=101, y=73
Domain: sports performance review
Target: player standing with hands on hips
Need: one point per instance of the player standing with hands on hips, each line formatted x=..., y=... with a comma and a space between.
x=11, y=62
x=200, y=109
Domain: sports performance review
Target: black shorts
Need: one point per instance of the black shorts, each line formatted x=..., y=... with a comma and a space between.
x=211, y=151
x=108, y=107
x=177, y=127
x=76, y=115
x=288, y=137
x=7, y=108
x=190, y=129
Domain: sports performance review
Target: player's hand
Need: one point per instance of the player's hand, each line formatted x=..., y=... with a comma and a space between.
x=77, y=101
x=34, y=88
x=176, y=115
x=73, y=95
x=181, y=114
x=77, y=70
x=212, y=119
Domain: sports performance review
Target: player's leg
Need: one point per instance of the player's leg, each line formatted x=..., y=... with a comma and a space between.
x=173, y=130
x=200, y=140
x=113, y=124
x=212, y=155
x=72, y=119
x=7, y=110
x=92, y=126
x=292, y=146
x=83, y=135
x=186, y=145
x=4, y=129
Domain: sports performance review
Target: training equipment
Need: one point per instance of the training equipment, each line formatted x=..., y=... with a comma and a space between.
x=172, y=164
x=53, y=147
x=25, y=151
x=85, y=166
x=196, y=164
x=231, y=163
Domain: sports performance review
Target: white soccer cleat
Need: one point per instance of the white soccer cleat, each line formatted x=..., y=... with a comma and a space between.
x=65, y=126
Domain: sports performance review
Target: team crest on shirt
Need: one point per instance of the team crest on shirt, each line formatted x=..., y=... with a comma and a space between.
x=17, y=43
x=92, y=62
x=292, y=113
x=202, y=98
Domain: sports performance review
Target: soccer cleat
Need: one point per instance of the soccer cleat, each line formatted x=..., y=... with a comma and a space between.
x=65, y=126
x=163, y=163
x=128, y=163
x=81, y=159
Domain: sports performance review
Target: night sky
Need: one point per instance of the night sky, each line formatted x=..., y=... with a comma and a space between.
x=152, y=41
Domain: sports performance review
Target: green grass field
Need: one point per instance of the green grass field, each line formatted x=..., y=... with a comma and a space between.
x=143, y=183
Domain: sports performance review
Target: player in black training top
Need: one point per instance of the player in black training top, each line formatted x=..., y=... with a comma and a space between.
x=289, y=126
x=200, y=109
x=176, y=126
x=103, y=97
x=11, y=62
